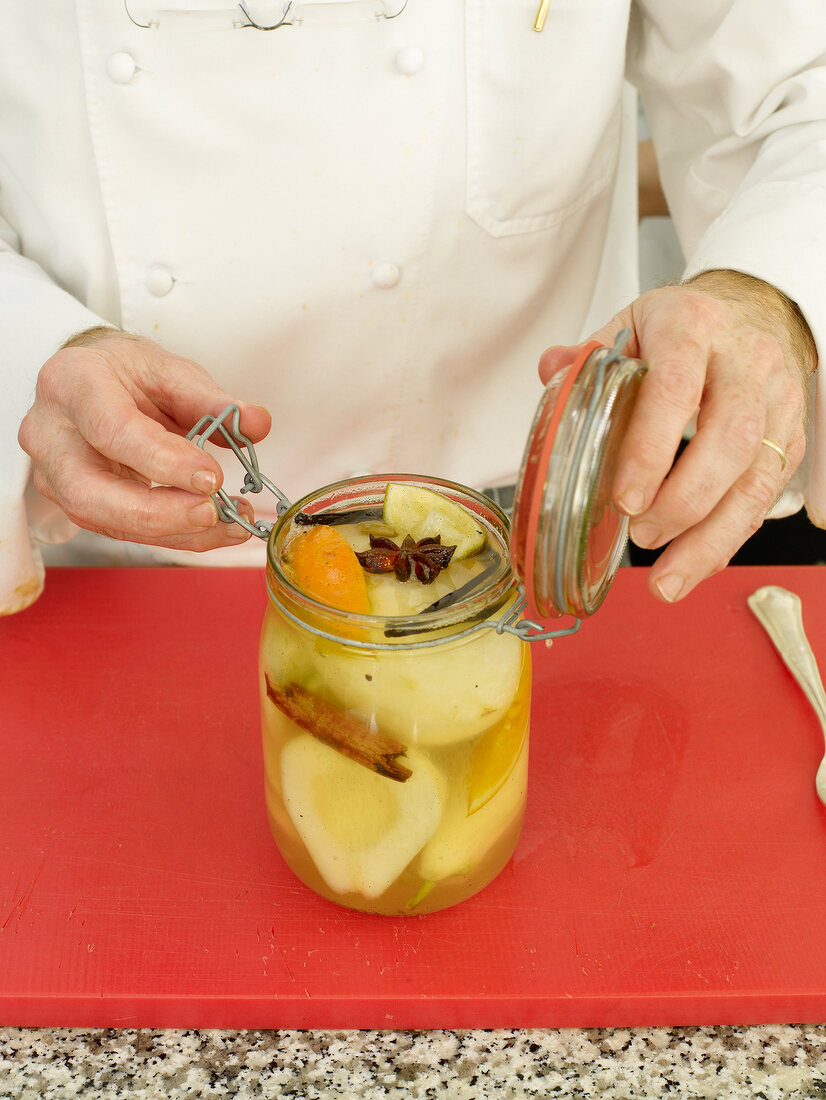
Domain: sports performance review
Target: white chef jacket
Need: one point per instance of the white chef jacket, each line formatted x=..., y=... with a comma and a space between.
x=374, y=227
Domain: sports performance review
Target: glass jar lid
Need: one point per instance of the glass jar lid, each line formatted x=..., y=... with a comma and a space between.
x=567, y=539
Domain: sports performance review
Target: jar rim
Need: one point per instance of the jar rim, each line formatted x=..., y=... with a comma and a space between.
x=397, y=630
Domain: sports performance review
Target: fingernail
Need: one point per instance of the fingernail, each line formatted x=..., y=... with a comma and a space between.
x=645, y=534
x=204, y=514
x=670, y=586
x=632, y=502
x=243, y=406
x=204, y=481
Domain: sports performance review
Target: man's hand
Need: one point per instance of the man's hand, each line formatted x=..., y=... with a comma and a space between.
x=106, y=436
x=736, y=352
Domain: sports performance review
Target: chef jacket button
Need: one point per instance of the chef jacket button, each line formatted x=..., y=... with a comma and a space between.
x=121, y=67
x=159, y=282
x=410, y=60
x=386, y=275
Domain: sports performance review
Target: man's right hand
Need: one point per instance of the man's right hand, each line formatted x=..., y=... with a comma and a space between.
x=106, y=435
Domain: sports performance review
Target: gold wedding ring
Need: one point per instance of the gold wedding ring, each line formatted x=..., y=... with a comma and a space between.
x=778, y=450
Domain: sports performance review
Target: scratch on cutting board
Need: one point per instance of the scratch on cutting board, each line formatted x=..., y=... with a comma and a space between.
x=408, y=946
x=281, y=952
x=19, y=905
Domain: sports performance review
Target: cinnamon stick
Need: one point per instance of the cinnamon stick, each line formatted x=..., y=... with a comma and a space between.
x=341, y=731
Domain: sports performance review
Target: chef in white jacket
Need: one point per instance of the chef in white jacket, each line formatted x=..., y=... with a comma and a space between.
x=373, y=221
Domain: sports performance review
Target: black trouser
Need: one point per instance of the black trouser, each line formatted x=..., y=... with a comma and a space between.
x=793, y=540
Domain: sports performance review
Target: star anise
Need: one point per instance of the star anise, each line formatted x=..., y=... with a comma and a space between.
x=425, y=559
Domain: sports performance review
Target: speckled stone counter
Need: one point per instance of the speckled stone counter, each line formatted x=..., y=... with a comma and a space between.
x=770, y=1063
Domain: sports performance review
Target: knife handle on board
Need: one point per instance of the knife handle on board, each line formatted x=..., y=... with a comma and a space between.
x=780, y=613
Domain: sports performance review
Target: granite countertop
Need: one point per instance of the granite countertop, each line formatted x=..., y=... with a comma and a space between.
x=725, y=1063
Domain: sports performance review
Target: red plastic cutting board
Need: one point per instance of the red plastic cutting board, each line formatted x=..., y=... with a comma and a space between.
x=672, y=869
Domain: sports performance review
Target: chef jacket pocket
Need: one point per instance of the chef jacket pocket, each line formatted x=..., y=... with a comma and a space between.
x=543, y=109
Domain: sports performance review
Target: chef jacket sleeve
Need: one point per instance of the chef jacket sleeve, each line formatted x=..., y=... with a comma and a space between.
x=36, y=316
x=735, y=95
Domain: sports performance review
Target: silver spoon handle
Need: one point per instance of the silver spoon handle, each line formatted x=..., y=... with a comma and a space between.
x=779, y=611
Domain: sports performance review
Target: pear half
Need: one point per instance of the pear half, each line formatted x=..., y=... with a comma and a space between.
x=360, y=828
x=464, y=839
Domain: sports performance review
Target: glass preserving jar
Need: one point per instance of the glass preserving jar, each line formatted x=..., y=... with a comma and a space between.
x=396, y=746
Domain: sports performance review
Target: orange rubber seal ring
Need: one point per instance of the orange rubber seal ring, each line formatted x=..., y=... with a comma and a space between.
x=537, y=488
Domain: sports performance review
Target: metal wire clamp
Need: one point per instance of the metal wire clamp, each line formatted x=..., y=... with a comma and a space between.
x=527, y=629
x=254, y=480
